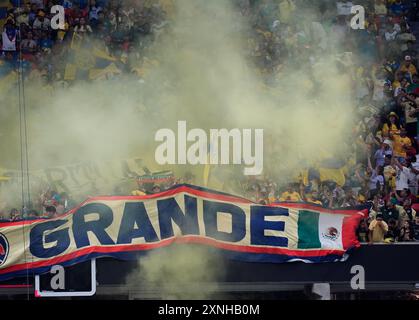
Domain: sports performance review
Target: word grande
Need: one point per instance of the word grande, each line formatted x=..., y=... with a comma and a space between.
x=206, y=151
x=218, y=220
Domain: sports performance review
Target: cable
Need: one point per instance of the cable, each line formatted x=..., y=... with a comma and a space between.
x=24, y=159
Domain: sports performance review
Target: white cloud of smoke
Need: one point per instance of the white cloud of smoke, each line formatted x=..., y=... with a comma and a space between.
x=203, y=78
x=178, y=272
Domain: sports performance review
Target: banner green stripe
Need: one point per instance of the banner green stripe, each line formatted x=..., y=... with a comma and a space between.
x=308, y=230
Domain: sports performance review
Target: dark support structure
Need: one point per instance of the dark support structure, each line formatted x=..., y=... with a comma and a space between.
x=388, y=267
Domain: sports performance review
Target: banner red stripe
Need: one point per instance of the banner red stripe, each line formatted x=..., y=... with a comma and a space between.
x=349, y=236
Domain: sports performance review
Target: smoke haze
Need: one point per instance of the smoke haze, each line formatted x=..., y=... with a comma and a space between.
x=199, y=74
x=178, y=272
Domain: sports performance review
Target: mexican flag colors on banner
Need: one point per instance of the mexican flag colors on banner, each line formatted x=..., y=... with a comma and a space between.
x=125, y=227
x=319, y=230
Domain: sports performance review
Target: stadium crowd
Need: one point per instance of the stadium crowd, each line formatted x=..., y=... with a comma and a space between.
x=385, y=88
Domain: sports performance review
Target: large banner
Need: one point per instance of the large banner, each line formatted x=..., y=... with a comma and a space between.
x=123, y=227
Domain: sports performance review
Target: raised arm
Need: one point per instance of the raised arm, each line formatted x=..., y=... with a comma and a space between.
x=397, y=163
x=369, y=163
x=413, y=169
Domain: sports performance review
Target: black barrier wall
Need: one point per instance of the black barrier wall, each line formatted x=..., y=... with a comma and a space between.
x=382, y=263
x=385, y=264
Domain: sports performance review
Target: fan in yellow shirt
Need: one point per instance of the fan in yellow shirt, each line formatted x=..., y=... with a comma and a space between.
x=391, y=127
x=290, y=195
x=407, y=66
x=400, y=144
x=378, y=228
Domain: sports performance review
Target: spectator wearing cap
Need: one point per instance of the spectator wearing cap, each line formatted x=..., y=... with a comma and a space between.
x=407, y=66
x=392, y=126
x=381, y=153
x=41, y=22
x=377, y=229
